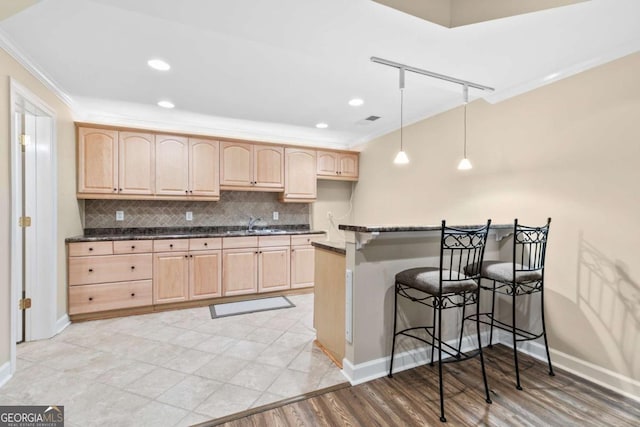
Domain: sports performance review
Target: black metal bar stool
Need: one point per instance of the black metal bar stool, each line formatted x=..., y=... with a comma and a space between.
x=523, y=275
x=445, y=287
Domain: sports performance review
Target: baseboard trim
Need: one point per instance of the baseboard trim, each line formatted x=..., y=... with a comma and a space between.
x=62, y=323
x=606, y=378
x=377, y=368
x=5, y=373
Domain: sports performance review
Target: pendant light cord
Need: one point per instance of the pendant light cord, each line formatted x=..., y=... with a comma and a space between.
x=401, y=114
x=465, y=130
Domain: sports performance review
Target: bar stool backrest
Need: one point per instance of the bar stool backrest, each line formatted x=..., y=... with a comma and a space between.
x=529, y=247
x=462, y=250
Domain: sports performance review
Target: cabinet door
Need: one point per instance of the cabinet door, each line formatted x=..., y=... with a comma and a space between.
x=97, y=161
x=236, y=164
x=268, y=166
x=137, y=163
x=302, y=266
x=273, y=269
x=172, y=165
x=205, y=274
x=204, y=168
x=348, y=167
x=239, y=271
x=170, y=277
x=327, y=163
x=300, y=175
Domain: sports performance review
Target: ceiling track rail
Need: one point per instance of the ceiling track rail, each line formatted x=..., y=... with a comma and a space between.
x=404, y=67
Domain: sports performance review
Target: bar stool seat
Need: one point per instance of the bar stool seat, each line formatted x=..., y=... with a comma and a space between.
x=427, y=279
x=503, y=272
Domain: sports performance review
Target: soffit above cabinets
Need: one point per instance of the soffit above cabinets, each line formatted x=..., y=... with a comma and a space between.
x=270, y=71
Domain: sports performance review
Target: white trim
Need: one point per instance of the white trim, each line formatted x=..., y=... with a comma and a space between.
x=614, y=381
x=377, y=368
x=33, y=69
x=62, y=323
x=5, y=373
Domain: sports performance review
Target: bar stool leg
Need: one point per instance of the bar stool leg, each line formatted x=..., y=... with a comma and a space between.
x=433, y=336
x=493, y=308
x=464, y=306
x=544, y=332
x=439, y=307
x=395, y=315
x=513, y=330
x=484, y=373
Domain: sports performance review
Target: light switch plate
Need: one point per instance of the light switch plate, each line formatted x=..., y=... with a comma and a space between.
x=119, y=215
x=189, y=216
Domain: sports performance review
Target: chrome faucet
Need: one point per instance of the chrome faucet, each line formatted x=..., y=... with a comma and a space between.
x=252, y=222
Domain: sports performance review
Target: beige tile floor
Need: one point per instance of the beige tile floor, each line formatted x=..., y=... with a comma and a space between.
x=174, y=368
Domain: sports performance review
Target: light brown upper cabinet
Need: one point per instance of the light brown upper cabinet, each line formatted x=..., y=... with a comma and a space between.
x=136, y=165
x=97, y=161
x=172, y=165
x=187, y=167
x=300, y=183
x=251, y=166
x=204, y=168
x=337, y=165
x=115, y=163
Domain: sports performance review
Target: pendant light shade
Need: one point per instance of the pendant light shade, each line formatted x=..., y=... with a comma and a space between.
x=401, y=157
x=465, y=164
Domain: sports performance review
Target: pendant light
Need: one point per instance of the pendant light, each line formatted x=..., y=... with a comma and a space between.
x=401, y=157
x=465, y=164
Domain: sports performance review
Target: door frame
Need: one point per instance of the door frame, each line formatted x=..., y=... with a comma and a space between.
x=42, y=260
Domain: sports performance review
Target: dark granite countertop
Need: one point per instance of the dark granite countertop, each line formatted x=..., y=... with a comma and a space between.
x=399, y=228
x=151, y=233
x=338, y=247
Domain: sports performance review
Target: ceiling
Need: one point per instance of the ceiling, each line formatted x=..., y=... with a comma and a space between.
x=271, y=70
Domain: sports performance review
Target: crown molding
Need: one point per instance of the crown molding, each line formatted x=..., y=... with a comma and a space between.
x=10, y=47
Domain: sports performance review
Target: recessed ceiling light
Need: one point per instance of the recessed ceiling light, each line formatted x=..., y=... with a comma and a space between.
x=322, y=125
x=356, y=102
x=166, y=104
x=158, y=64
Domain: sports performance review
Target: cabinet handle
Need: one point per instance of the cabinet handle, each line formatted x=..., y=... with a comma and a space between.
x=190, y=256
x=133, y=294
x=90, y=249
x=171, y=245
x=205, y=243
x=90, y=298
x=120, y=189
x=186, y=256
x=115, y=189
x=91, y=270
x=133, y=267
x=133, y=247
x=256, y=252
x=190, y=191
x=186, y=191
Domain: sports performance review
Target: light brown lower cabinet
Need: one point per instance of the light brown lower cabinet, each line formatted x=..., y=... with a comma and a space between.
x=114, y=275
x=185, y=275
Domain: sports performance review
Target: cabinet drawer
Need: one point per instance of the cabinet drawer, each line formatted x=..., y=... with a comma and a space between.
x=132, y=246
x=203, y=244
x=90, y=248
x=171, y=245
x=306, y=239
x=268, y=241
x=240, y=242
x=109, y=296
x=109, y=268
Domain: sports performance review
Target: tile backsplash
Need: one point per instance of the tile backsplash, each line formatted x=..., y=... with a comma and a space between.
x=234, y=208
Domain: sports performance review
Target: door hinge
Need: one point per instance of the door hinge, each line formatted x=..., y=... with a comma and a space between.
x=24, y=221
x=24, y=141
x=25, y=303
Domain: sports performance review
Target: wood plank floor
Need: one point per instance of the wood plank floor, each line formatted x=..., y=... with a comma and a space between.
x=410, y=398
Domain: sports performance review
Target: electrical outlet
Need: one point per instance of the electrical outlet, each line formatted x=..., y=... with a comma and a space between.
x=189, y=216
x=276, y=216
x=119, y=215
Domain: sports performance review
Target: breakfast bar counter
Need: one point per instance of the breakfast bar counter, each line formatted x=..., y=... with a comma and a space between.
x=373, y=254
